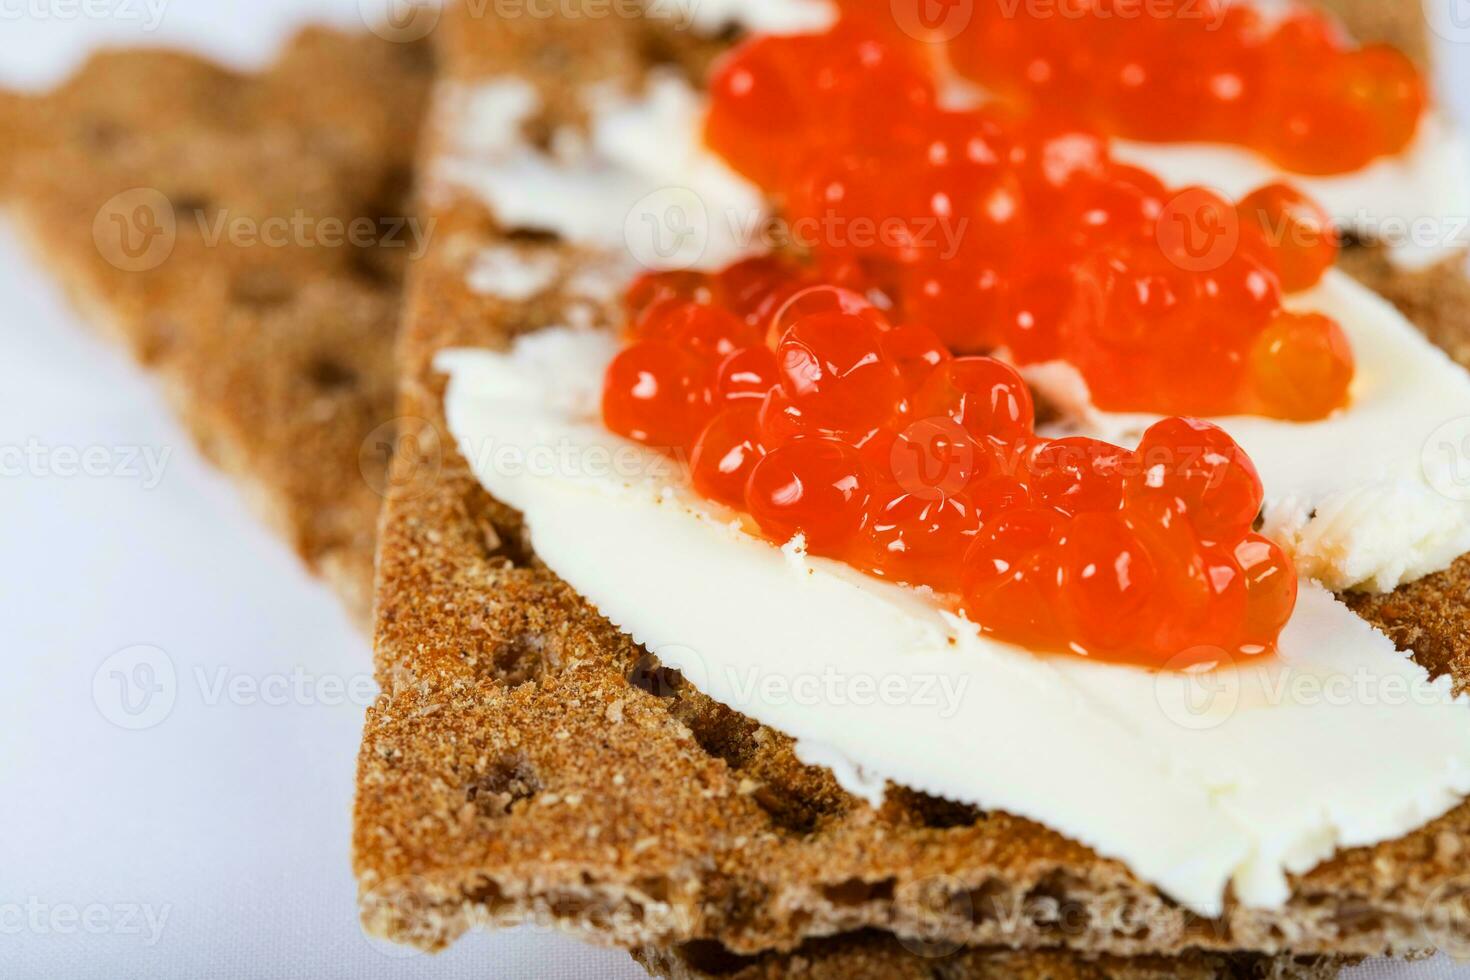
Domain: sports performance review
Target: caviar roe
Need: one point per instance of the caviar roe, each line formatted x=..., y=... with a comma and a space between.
x=804, y=406
x=1295, y=90
x=998, y=230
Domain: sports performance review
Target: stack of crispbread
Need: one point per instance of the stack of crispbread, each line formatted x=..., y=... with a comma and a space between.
x=527, y=762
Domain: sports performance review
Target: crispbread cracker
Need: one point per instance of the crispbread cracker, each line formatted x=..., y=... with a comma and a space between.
x=873, y=956
x=867, y=956
x=90, y=101
x=150, y=72
x=278, y=359
x=527, y=762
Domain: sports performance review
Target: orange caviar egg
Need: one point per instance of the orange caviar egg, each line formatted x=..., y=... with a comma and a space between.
x=915, y=350
x=1035, y=324
x=1383, y=84
x=833, y=368
x=1079, y=476
x=698, y=328
x=1296, y=91
x=1016, y=233
x=782, y=91
x=1298, y=231
x=1198, y=471
x=725, y=454
x=846, y=391
x=652, y=393
x=745, y=374
x=869, y=438
x=963, y=300
x=822, y=299
x=1010, y=578
x=1270, y=588
x=914, y=538
x=657, y=289
x=1106, y=576
x=987, y=398
x=1303, y=366
x=931, y=457
x=818, y=488
x=754, y=289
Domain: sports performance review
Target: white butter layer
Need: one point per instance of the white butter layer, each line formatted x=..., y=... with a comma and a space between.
x=503, y=271
x=641, y=182
x=1371, y=497
x=1416, y=202
x=1194, y=781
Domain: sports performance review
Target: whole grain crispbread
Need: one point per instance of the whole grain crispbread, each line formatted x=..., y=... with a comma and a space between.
x=861, y=956
x=527, y=762
x=93, y=103
x=89, y=102
x=871, y=956
x=275, y=344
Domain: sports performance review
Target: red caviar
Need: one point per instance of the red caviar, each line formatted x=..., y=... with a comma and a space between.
x=886, y=451
x=1298, y=231
x=837, y=393
x=991, y=230
x=1296, y=91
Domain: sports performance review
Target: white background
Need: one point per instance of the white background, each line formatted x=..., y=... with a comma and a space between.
x=214, y=842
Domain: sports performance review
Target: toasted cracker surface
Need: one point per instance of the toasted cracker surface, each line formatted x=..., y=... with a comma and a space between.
x=868, y=956
x=857, y=956
x=149, y=183
x=90, y=106
x=528, y=763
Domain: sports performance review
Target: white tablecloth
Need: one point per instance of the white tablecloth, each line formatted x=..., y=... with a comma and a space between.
x=181, y=707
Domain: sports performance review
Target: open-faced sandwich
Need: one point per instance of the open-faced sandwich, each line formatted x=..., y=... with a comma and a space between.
x=900, y=477
x=884, y=490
